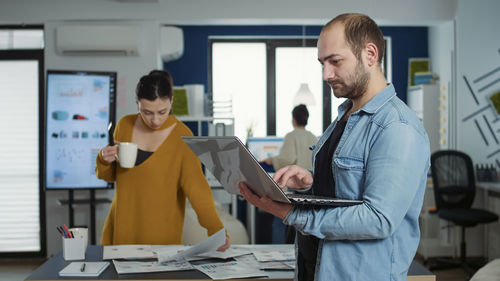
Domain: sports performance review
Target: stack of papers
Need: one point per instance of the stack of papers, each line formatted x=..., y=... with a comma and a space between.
x=250, y=260
x=230, y=270
x=125, y=267
x=280, y=255
x=90, y=269
x=136, y=251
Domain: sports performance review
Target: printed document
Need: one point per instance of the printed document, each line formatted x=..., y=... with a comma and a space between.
x=211, y=244
x=229, y=270
x=250, y=260
x=136, y=251
x=124, y=267
x=280, y=255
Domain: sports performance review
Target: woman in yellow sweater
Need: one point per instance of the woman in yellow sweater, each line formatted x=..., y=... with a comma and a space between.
x=150, y=198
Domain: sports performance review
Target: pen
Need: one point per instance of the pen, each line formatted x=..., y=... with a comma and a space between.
x=60, y=231
x=110, y=130
x=67, y=231
x=82, y=269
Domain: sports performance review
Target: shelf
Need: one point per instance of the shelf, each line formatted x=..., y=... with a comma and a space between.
x=202, y=118
x=83, y=201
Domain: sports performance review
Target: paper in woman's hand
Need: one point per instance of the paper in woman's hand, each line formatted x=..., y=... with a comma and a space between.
x=212, y=243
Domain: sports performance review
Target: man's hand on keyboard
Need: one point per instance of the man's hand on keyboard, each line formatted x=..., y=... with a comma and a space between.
x=293, y=176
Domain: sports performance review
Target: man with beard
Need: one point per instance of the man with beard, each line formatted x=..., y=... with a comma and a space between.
x=376, y=151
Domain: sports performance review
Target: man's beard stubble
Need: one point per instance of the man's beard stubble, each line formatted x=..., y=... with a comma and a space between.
x=356, y=88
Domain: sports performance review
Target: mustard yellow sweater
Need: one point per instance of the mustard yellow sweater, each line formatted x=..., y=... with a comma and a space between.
x=149, y=202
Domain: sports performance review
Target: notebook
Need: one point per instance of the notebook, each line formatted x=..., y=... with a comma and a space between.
x=91, y=269
x=231, y=162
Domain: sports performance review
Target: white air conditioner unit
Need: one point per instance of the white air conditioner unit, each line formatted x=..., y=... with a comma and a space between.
x=97, y=40
x=171, y=43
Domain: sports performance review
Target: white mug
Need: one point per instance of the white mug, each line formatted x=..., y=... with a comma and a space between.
x=127, y=154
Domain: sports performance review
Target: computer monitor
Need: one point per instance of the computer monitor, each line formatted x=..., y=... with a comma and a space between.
x=80, y=106
x=264, y=147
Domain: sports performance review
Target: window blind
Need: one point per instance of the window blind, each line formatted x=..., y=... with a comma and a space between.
x=19, y=156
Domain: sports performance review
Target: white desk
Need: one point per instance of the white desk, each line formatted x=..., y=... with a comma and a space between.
x=491, y=199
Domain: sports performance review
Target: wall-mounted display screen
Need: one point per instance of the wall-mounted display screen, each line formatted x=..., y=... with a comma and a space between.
x=80, y=107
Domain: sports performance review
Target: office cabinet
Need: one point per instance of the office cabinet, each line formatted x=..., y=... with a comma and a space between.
x=425, y=101
x=493, y=229
x=209, y=126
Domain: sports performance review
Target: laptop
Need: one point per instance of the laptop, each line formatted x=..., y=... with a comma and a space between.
x=231, y=162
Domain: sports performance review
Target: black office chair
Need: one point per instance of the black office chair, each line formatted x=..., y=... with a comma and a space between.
x=454, y=191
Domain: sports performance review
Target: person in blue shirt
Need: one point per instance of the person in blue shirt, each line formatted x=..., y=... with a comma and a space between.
x=376, y=151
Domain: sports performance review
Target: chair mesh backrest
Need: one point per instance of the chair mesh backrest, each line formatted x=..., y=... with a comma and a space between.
x=453, y=179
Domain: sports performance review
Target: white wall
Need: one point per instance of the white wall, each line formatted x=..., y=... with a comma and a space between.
x=130, y=69
x=478, y=41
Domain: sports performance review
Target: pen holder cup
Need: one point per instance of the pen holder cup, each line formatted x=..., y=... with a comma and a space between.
x=80, y=232
x=74, y=248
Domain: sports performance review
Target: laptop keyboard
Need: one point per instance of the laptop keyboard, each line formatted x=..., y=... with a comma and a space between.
x=319, y=200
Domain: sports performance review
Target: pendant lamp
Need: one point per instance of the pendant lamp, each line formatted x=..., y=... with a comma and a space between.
x=304, y=94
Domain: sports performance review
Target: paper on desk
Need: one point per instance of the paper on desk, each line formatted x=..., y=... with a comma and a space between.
x=229, y=253
x=250, y=260
x=127, y=251
x=210, y=244
x=124, y=267
x=91, y=269
x=136, y=251
x=290, y=264
x=278, y=255
x=229, y=270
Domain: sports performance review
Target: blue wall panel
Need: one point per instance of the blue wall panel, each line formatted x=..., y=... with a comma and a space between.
x=192, y=67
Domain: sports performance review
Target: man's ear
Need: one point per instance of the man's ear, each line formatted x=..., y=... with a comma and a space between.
x=371, y=53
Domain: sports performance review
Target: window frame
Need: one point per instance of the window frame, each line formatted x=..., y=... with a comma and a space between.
x=23, y=27
x=34, y=54
x=284, y=41
x=271, y=45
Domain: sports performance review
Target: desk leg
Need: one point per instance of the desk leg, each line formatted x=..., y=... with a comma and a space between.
x=251, y=222
x=486, y=228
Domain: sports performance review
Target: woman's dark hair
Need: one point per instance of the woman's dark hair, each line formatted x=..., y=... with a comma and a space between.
x=300, y=114
x=157, y=84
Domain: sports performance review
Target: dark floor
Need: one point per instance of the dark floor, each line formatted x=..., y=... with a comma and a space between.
x=450, y=274
x=18, y=270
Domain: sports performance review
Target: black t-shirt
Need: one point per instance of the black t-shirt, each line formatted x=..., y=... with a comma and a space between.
x=142, y=155
x=323, y=185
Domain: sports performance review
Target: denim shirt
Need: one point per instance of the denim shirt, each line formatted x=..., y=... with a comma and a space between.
x=382, y=159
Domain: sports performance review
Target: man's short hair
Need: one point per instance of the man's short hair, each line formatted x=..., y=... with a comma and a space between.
x=359, y=30
x=300, y=114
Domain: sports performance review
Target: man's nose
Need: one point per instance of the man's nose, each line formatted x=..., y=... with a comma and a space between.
x=328, y=73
